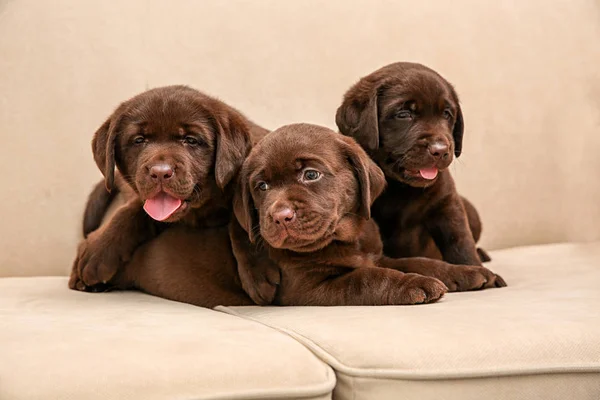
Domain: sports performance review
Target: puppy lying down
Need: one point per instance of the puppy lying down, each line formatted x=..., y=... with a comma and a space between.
x=409, y=120
x=304, y=203
x=177, y=152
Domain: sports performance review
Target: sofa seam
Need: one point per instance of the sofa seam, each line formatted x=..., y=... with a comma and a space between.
x=315, y=390
x=337, y=365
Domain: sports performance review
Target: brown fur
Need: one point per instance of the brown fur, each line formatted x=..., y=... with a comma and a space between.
x=407, y=117
x=304, y=202
x=188, y=256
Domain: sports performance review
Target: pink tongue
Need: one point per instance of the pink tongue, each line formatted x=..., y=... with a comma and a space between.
x=161, y=206
x=429, y=173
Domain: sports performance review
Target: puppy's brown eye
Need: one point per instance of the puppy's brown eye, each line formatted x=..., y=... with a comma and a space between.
x=262, y=186
x=190, y=140
x=139, y=140
x=311, y=175
x=403, y=114
x=447, y=113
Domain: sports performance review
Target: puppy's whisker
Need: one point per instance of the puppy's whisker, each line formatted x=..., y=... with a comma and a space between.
x=128, y=178
x=260, y=241
x=255, y=230
x=196, y=192
x=400, y=161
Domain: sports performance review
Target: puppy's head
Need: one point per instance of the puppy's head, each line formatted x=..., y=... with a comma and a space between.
x=176, y=147
x=409, y=120
x=299, y=182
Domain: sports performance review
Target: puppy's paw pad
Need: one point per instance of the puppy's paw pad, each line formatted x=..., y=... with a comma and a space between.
x=416, y=296
x=435, y=290
x=96, y=264
x=77, y=284
x=424, y=289
x=499, y=281
x=99, y=288
x=492, y=280
x=469, y=277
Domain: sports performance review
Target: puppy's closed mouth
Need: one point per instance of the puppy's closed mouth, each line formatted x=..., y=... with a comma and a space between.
x=294, y=240
x=161, y=206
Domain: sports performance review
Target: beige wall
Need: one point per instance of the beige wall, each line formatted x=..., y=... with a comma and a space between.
x=527, y=72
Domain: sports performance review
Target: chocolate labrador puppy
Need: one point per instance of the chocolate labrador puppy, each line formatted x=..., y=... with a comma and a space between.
x=176, y=151
x=408, y=119
x=304, y=200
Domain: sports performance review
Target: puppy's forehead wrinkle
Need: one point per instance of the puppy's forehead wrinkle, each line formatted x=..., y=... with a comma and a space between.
x=296, y=136
x=199, y=122
x=280, y=151
x=169, y=109
x=422, y=88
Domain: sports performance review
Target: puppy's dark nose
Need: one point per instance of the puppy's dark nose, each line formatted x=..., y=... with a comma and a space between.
x=439, y=150
x=284, y=216
x=161, y=172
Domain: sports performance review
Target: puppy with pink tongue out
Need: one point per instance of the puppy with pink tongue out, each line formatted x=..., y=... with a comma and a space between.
x=409, y=120
x=172, y=153
x=162, y=206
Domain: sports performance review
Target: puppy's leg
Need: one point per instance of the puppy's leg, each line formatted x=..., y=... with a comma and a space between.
x=102, y=253
x=448, y=226
x=185, y=264
x=475, y=226
x=258, y=274
x=98, y=202
x=472, y=218
x=483, y=255
x=457, y=278
x=366, y=286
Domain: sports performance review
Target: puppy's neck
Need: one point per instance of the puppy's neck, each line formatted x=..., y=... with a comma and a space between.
x=210, y=215
x=349, y=228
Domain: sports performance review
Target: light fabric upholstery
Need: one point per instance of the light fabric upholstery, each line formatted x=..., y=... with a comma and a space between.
x=537, y=338
x=60, y=344
x=526, y=71
x=528, y=78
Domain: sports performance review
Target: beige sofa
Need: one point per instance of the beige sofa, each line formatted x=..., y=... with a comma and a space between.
x=527, y=73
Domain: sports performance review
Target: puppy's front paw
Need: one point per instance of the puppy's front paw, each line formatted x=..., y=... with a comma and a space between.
x=498, y=281
x=420, y=289
x=75, y=282
x=263, y=292
x=95, y=264
x=260, y=281
x=462, y=278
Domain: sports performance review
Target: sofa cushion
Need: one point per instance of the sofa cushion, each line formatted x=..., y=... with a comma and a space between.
x=59, y=344
x=537, y=338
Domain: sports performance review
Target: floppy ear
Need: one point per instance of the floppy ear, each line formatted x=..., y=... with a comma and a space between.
x=371, y=180
x=103, y=146
x=243, y=206
x=358, y=116
x=233, y=145
x=457, y=133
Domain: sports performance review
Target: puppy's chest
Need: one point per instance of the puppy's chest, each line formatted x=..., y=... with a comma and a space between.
x=335, y=255
x=399, y=210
